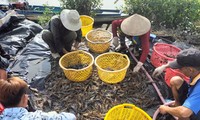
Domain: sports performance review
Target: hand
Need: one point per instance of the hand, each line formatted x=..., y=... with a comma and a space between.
x=64, y=51
x=158, y=70
x=115, y=41
x=137, y=67
x=118, y=47
x=162, y=109
x=75, y=46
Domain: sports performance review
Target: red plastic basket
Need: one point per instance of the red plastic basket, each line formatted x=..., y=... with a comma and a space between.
x=171, y=73
x=162, y=53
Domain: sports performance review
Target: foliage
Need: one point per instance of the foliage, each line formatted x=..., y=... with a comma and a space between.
x=169, y=13
x=46, y=16
x=84, y=7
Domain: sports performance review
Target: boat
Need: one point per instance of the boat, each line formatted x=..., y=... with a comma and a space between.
x=32, y=12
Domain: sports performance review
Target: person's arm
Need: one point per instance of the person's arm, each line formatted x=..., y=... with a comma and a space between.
x=180, y=111
x=145, y=50
x=145, y=46
x=78, y=39
x=160, y=69
x=55, y=29
x=116, y=24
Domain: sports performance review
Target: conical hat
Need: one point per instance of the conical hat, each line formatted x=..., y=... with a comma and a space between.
x=135, y=25
x=70, y=19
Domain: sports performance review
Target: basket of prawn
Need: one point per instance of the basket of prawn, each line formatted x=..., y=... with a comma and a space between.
x=77, y=65
x=99, y=40
x=112, y=66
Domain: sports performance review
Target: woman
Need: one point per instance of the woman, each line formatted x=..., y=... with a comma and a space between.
x=137, y=27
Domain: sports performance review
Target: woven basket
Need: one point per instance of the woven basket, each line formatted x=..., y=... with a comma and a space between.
x=126, y=112
x=99, y=40
x=162, y=53
x=112, y=66
x=75, y=58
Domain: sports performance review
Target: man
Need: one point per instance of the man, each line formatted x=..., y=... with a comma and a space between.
x=188, y=62
x=137, y=26
x=14, y=98
x=62, y=31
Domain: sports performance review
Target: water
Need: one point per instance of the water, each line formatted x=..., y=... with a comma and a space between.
x=107, y=4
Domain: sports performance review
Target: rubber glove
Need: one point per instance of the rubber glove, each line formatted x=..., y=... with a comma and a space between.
x=137, y=67
x=118, y=47
x=115, y=41
x=159, y=70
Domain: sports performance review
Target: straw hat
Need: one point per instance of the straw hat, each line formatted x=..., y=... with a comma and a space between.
x=70, y=19
x=135, y=25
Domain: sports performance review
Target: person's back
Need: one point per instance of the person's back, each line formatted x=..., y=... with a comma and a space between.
x=15, y=100
x=64, y=32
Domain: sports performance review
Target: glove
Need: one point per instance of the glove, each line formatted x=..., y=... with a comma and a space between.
x=137, y=67
x=115, y=41
x=159, y=70
x=118, y=47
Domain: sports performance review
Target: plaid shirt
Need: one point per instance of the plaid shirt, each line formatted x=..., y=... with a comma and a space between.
x=20, y=113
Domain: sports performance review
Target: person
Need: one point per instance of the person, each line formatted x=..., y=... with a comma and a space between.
x=14, y=98
x=62, y=30
x=137, y=26
x=5, y=17
x=187, y=96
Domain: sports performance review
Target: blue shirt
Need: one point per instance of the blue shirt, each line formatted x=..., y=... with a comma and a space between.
x=193, y=100
x=19, y=113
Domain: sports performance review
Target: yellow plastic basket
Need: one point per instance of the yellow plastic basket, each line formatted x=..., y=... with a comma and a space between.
x=99, y=40
x=112, y=66
x=126, y=112
x=87, y=24
x=77, y=58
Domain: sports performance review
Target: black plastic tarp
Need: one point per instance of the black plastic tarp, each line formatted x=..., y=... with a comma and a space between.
x=31, y=56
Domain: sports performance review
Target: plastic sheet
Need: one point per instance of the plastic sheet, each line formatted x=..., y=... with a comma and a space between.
x=31, y=54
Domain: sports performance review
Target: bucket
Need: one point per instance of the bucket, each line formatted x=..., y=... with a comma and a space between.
x=87, y=24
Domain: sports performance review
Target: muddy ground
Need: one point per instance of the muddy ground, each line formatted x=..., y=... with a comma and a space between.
x=91, y=99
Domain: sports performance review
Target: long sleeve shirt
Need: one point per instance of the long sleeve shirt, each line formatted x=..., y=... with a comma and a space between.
x=144, y=39
x=59, y=31
x=19, y=113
